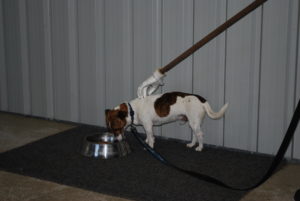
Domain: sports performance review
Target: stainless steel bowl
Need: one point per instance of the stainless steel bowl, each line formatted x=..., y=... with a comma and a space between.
x=104, y=145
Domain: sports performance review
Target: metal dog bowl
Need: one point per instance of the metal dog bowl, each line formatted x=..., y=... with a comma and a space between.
x=104, y=145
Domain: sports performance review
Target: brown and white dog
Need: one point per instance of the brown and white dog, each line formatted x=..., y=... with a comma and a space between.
x=160, y=109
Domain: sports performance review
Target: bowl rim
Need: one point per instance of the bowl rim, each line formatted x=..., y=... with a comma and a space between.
x=99, y=140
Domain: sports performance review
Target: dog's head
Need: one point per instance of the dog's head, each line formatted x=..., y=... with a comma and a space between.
x=116, y=119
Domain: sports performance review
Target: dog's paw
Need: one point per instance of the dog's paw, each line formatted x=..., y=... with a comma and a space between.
x=199, y=148
x=190, y=145
x=150, y=143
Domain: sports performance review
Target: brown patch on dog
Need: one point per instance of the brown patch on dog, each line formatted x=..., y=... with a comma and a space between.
x=202, y=100
x=116, y=119
x=123, y=107
x=163, y=104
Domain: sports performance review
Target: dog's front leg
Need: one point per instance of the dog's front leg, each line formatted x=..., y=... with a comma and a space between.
x=150, y=136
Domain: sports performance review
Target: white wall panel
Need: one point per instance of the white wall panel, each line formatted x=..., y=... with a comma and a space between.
x=146, y=42
x=37, y=56
x=146, y=39
x=3, y=81
x=277, y=73
x=24, y=57
x=13, y=55
x=48, y=60
x=73, y=59
x=100, y=64
x=118, y=54
x=91, y=64
x=209, y=64
x=242, y=78
x=60, y=58
x=177, y=29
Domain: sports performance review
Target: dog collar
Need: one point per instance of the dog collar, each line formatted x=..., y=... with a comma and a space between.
x=131, y=112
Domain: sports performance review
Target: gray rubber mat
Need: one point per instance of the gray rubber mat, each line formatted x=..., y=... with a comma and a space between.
x=137, y=176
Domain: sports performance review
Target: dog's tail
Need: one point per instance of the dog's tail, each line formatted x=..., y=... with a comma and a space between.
x=212, y=114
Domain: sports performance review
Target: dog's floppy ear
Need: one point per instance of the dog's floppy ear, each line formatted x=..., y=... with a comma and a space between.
x=122, y=114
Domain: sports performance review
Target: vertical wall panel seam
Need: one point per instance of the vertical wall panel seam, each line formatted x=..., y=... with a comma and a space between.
x=225, y=66
x=161, y=46
x=73, y=59
x=193, y=57
x=52, y=68
x=96, y=66
x=287, y=67
x=259, y=78
x=78, y=62
x=131, y=35
x=132, y=50
x=288, y=75
x=4, y=53
x=193, y=39
x=51, y=64
x=161, y=38
x=24, y=54
x=295, y=76
x=47, y=41
x=29, y=59
x=68, y=54
x=104, y=53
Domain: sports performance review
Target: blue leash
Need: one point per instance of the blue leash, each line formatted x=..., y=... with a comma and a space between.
x=276, y=161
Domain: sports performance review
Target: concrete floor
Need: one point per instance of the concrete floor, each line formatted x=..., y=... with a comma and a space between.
x=16, y=130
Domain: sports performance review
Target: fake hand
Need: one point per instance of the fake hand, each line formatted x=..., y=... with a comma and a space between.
x=150, y=85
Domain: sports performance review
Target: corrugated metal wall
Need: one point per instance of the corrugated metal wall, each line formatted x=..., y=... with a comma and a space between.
x=71, y=59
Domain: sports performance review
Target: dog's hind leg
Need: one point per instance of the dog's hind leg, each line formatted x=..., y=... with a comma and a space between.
x=197, y=136
x=195, y=124
x=194, y=140
x=200, y=140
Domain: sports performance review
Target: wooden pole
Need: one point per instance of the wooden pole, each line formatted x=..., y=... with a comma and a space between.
x=212, y=35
